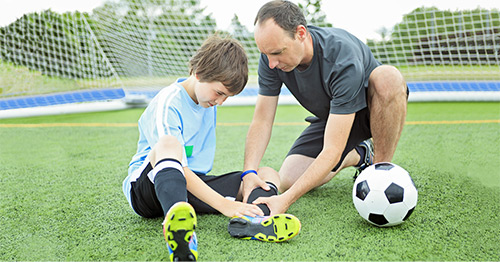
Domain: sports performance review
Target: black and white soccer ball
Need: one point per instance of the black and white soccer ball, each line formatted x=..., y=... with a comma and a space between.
x=384, y=194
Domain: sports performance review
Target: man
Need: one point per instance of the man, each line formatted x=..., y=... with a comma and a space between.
x=335, y=77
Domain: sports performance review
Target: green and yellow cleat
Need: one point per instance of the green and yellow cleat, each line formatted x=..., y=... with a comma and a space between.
x=277, y=228
x=178, y=229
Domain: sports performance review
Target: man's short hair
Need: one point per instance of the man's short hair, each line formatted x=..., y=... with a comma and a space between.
x=223, y=60
x=285, y=13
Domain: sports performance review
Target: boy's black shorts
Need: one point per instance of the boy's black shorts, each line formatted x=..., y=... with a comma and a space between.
x=310, y=142
x=146, y=204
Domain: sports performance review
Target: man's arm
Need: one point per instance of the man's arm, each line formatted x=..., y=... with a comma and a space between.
x=337, y=132
x=258, y=136
x=259, y=132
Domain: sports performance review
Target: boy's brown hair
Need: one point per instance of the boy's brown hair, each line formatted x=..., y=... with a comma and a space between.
x=223, y=60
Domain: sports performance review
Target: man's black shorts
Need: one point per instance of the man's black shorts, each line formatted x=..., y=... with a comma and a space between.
x=146, y=204
x=310, y=142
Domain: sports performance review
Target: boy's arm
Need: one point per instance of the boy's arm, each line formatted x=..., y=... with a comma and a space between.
x=206, y=194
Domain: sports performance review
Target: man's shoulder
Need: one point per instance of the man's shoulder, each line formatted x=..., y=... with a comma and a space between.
x=331, y=36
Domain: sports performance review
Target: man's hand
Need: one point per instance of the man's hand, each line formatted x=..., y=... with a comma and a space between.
x=277, y=204
x=251, y=182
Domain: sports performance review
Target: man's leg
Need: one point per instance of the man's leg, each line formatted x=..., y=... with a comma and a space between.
x=295, y=165
x=310, y=143
x=387, y=101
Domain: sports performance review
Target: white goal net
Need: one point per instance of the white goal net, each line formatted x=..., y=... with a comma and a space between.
x=133, y=48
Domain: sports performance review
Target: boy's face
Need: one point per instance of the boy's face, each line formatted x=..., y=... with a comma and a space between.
x=209, y=94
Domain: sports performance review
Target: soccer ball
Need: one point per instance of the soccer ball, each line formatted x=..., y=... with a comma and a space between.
x=384, y=194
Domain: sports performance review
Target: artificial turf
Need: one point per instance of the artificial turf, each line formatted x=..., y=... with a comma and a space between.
x=61, y=198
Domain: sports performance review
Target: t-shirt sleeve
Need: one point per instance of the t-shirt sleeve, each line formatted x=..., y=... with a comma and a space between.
x=269, y=80
x=347, y=85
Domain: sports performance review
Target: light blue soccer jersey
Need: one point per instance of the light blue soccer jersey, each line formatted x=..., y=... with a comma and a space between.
x=173, y=112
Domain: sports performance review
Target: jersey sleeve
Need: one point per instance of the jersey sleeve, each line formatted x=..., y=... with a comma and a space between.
x=166, y=120
x=269, y=81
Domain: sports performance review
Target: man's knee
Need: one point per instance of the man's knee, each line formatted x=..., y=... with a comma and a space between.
x=269, y=174
x=386, y=81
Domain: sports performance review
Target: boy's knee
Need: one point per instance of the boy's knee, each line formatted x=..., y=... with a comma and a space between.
x=166, y=147
x=168, y=141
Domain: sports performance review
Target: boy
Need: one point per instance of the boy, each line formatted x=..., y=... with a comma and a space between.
x=167, y=176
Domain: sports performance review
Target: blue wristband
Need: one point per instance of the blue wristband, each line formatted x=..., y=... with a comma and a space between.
x=247, y=172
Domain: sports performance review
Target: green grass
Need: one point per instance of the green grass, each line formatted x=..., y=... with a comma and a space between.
x=61, y=198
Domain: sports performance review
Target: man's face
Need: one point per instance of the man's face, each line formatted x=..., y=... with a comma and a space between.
x=283, y=51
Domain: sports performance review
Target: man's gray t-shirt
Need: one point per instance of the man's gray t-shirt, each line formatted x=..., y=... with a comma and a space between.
x=334, y=83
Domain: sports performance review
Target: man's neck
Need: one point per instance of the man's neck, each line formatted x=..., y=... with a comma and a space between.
x=308, y=53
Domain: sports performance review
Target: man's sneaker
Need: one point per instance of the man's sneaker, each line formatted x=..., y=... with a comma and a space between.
x=277, y=228
x=178, y=229
x=367, y=159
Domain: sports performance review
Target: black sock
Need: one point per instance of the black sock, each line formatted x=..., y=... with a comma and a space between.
x=361, y=151
x=259, y=192
x=170, y=186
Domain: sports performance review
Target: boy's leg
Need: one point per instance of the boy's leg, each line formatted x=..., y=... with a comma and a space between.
x=171, y=191
x=273, y=181
x=277, y=228
x=168, y=174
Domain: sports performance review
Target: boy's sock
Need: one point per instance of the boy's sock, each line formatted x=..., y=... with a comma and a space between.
x=259, y=192
x=170, y=183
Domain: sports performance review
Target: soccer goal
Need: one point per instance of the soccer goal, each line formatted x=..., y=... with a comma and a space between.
x=127, y=50
x=445, y=55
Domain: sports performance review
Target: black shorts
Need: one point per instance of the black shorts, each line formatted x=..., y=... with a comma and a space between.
x=310, y=142
x=146, y=204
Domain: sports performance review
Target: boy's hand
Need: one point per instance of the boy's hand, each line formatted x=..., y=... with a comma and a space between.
x=251, y=182
x=236, y=208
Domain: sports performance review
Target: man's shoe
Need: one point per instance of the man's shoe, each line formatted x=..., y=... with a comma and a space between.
x=367, y=159
x=178, y=229
x=277, y=228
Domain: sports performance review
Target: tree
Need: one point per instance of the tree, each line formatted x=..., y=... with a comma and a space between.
x=313, y=13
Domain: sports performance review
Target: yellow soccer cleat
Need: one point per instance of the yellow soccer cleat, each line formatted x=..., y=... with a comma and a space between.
x=178, y=229
x=277, y=228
